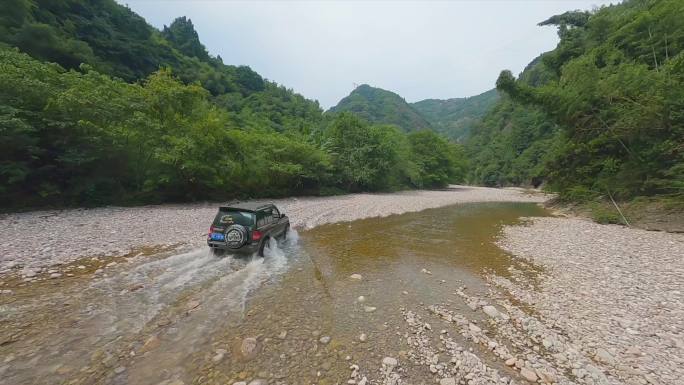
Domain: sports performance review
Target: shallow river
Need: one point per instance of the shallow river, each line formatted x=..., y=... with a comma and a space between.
x=293, y=317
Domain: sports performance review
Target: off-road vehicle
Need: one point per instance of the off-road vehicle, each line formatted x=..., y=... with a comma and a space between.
x=246, y=228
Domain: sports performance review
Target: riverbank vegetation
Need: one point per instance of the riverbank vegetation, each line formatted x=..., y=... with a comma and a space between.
x=600, y=116
x=97, y=107
x=79, y=137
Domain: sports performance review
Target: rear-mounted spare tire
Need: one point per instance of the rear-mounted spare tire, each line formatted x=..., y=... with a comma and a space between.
x=236, y=236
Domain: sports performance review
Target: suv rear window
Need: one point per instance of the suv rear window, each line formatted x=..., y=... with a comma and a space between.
x=227, y=218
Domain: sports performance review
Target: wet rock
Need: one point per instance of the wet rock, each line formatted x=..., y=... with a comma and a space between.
x=239, y=383
x=357, y=277
x=55, y=275
x=369, y=309
x=474, y=328
x=426, y=271
x=447, y=381
x=510, y=361
x=119, y=370
x=151, y=343
x=248, y=348
x=163, y=322
x=63, y=370
x=363, y=337
x=218, y=357
x=282, y=335
x=136, y=287
x=363, y=381
x=324, y=340
x=192, y=305
x=390, y=362
x=361, y=299
x=258, y=381
x=491, y=311
x=528, y=374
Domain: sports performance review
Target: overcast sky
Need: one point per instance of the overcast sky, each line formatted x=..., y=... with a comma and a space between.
x=420, y=50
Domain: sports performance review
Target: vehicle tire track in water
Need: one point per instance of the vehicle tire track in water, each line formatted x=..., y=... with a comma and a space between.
x=222, y=298
x=115, y=312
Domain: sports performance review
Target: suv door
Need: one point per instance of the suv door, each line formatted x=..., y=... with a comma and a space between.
x=281, y=224
x=268, y=225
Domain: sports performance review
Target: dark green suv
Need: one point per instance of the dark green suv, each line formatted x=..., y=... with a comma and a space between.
x=246, y=228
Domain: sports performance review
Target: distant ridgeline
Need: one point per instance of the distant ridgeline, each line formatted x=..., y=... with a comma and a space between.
x=602, y=115
x=453, y=118
x=98, y=107
x=380, y=106
x=457, y=117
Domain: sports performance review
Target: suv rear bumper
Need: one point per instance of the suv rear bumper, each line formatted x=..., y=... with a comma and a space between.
x=249, y=248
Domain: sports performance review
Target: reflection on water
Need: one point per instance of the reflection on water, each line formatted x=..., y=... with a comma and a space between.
x=183, y=317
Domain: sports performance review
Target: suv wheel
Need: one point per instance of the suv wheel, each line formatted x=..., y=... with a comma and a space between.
x=265, y=243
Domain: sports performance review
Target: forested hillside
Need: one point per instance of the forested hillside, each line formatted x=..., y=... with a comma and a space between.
x=602, y=115
x=98, y=107
x=381, y=106
x=456, y=117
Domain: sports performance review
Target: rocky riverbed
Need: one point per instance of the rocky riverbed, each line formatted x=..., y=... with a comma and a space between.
x=609, y=307
x=471, y=294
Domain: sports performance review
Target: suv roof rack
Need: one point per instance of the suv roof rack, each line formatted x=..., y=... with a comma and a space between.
x=245, y=206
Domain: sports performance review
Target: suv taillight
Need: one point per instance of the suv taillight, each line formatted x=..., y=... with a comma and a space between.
x=211, y=230
x=256, y=235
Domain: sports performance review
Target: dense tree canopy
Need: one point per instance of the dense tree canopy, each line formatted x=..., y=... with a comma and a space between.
x=599, y=115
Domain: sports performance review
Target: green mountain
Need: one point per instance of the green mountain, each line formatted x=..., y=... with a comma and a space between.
x=598, y=116
x=112, y=39
x=381, y=106
x=455, y=118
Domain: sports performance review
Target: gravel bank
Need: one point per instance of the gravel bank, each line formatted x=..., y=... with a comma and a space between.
x=39, y=239
x=610, y=296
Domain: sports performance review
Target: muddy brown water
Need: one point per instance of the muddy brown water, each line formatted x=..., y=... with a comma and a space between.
x=181, y=317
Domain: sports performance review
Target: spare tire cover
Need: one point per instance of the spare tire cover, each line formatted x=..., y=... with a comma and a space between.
x=236, y=236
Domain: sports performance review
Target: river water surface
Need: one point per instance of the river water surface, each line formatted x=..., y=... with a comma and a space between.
x=164, y=317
